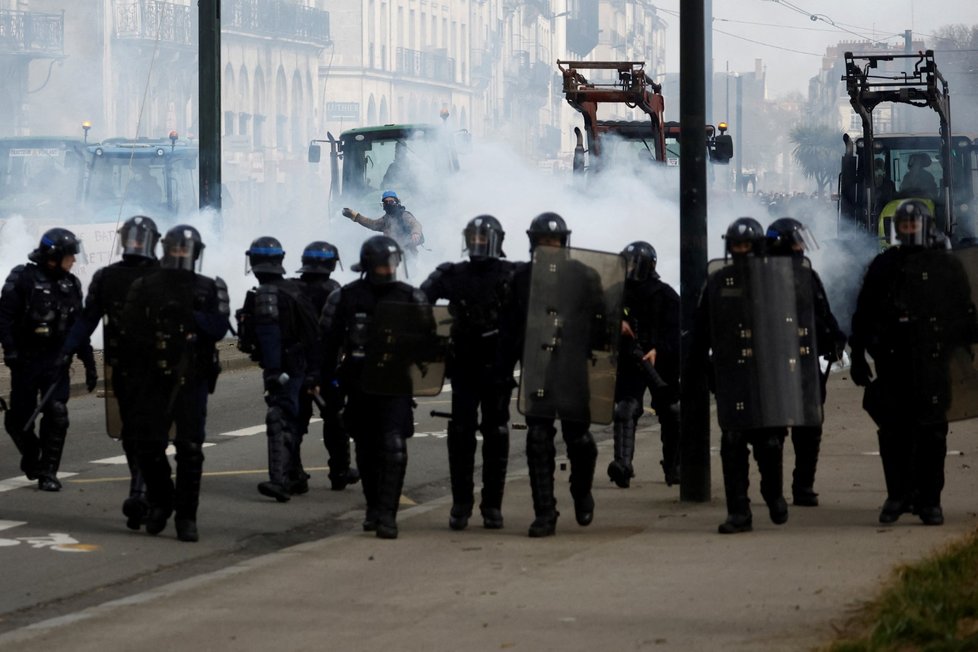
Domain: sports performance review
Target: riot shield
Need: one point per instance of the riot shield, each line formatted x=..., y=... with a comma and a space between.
x=573, y=327
x=406, y=350
x=113, y=417
x=762, y=323
x=939, y=293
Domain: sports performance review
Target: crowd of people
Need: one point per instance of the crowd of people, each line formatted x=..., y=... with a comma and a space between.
x=591, y=333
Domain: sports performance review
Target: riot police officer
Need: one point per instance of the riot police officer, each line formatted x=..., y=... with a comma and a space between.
x=137, y=239
x=379, y=424
x=744, y=239
x=278, y=327
x=550, y=230
x=479, y=293
x=39, y=304
x=789, y=237
x=319, y=261
x=650, y=331
x=171, y=323
x=913, y=309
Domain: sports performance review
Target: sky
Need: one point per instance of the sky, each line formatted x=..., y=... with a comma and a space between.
x=782, y=33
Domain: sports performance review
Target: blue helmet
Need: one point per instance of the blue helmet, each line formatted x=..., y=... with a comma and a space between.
x=389, y=194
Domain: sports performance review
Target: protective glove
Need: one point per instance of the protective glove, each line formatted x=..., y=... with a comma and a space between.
x=11, y=358
x=349, y=212
x=860, y=372
x=91, y=377
x=275, y=380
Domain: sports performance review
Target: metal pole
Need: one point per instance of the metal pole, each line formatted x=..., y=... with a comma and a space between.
x=209, y=94
x=695, y=403
x=739, y=140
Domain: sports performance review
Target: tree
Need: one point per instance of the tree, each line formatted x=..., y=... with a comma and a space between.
x=818, y=152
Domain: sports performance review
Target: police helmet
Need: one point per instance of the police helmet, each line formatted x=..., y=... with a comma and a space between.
x=913, y=224
x=56, y=244
x=483, y=237
x=138, y=237
x=182, y=248
x=744, y=230
x=640, y=260
x=319, y=257
x=548, y=224
x=787, y=236
x=265, y=256
x=379, y=258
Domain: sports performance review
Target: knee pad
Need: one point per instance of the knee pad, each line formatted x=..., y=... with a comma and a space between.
x=582, y=447
x=628, y=409
x=394, y=446
x=57, y=413
x=191, y=453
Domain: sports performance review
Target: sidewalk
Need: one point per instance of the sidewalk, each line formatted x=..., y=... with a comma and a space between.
x=649, y=573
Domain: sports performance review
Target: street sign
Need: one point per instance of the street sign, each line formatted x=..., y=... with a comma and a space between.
x=342, y=110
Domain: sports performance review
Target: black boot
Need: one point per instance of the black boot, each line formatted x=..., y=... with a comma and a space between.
x=391, y=482
x=135, y=507
x=53, y=429
x=186, y=496
x=461, y=465
x=583, y=454
x=768, y=451
x=806, y=442
x=540, y=452
x=897, y=472
x=669, y=436
x=735, y=459
x=495, y=459
x=620, y=469
x=279, y=457
x=159, y=485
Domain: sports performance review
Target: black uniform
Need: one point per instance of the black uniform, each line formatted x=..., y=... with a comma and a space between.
x=480, y=294
x=38, y=307
x=652, y=312
x=541, y=432
x=106, y=296
x=807, y=440
x=379, y=425
x=171, y=323
x=767, y=443
x=908, y=333
x=317, y=287
x=285, y=328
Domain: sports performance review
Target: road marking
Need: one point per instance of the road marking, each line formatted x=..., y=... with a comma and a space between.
x=16, y=483
x=6, y=525
x=121, y=459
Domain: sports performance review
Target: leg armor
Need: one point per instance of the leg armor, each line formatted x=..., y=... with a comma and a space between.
x=540, y=453
x=930, y=451
x=461, y=463
x=159, y=485
x=135, y=507
x=583, y=454
x=768, y=444
x=53, y=429
x=393, y=468
x=669, y=436
x=627, y=412
x=735, y=458
x=806, y=442
x=897, y=458
x=279, y=455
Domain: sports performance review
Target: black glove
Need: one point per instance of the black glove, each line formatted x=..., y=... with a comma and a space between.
x=10, y=358
x=275, y=380
x=91, y=377
x=860, y=372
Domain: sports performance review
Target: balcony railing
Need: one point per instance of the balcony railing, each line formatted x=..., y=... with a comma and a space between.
x=277, y=19
x=154, y=19
x=32, y=32
x=428, y=65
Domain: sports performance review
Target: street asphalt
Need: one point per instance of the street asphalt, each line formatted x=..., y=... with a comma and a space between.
x=650, y=573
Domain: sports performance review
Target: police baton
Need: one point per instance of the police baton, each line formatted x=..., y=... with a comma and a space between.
x=40, y=406
x=652, y=377
x=320, y=403
x=448, y=415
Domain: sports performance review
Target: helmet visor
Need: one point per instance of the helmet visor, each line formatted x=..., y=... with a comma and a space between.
x=637, y=266
x=134, y=241
x=482, y=242
x=910, y=231
x=185, y=254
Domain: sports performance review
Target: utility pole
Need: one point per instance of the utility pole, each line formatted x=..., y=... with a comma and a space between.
x=695, y=403
x=209, y=98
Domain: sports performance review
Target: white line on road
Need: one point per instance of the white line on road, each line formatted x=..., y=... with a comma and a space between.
x=6, y=525
x=16, y=483
x=121, y=459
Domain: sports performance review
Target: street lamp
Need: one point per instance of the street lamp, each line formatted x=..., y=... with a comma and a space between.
x=85, y=127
